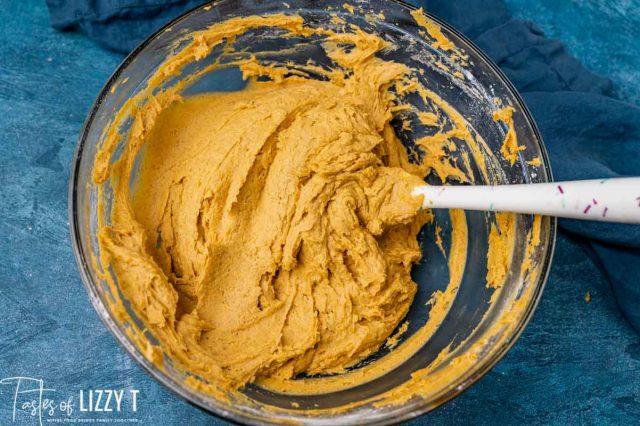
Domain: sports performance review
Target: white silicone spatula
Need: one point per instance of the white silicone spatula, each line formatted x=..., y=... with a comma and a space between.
x=607, y=200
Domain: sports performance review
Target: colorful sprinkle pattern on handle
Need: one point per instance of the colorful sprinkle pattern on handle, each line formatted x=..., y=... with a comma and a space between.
x=608, y=200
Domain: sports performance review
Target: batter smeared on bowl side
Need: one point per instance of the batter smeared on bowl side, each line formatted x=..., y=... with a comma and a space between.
x=270, y=232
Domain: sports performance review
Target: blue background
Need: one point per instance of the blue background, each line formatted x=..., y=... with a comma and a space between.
x=576, y=363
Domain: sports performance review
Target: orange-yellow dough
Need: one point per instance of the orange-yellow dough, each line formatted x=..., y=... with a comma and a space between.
x=288, y=238
x=270, y=232
x=275, y=225
x=510, y=147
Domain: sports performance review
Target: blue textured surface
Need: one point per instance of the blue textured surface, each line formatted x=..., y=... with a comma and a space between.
x=603, y=34
x=576, y=363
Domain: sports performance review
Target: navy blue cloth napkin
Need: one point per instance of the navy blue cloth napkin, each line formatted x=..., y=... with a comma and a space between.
x=588, y=133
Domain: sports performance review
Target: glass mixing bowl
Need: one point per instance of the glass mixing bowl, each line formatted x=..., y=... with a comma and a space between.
x=478, y=320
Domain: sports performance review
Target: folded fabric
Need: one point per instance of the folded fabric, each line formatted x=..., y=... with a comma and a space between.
x=588, y=133
x=118, y=25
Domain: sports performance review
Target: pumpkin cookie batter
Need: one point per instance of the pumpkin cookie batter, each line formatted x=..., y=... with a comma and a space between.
x=287, y=236
x=271, y=232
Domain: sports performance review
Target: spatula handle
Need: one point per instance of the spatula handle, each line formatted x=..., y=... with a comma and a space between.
x=607, y=200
